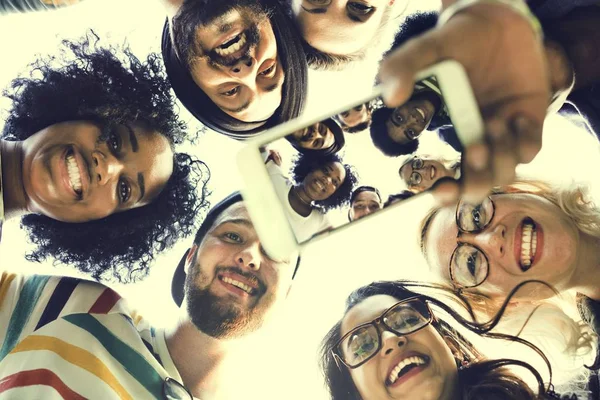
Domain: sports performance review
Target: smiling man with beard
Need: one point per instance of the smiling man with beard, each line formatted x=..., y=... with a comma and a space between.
x=237, y=66
x=70, y=338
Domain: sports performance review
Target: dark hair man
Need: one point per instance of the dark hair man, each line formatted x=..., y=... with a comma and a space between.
x=79, y=338
x=365, y=200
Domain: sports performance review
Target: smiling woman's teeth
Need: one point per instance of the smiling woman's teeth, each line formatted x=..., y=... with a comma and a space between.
x=528, y=244
x=227, y=48
x=404, y=366
x=74, y=175
x=421, y=113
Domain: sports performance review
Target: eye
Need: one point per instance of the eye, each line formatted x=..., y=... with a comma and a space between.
x=231, y=92
x=474, y=217
x=123, y=191
x=415, y=178
x=268, y=70
x=410, y=133
x=358, y=108
x=234, y=237
x=320, y=2
x=360, y=8
x=469, y=266
x=345, y=114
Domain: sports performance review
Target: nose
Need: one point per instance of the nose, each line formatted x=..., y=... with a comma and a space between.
x=106, y=167
x=390, y=342
x=492, y=240
x=249, y=257
x=244, y=67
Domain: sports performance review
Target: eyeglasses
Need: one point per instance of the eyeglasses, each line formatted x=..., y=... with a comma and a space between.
x=415, y=177
x=173, y=390
x=362, y=343
x=469, y=266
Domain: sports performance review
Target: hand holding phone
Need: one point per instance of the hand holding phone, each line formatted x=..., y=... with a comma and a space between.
x=319, y=186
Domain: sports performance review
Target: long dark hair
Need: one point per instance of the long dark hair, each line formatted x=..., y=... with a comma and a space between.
x=289, y=51
x=481, y=379
x=108, y=86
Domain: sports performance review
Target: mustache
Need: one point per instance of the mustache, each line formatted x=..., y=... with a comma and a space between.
x=262, y=288
x=252, y=39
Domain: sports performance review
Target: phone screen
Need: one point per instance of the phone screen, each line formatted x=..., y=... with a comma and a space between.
x=356, y=163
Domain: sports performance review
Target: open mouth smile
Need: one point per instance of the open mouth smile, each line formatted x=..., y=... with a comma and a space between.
x=529, y=240
x=406, y=369
x=74, y=174
x=240, y=285
x=232, y=45
x=421, y=113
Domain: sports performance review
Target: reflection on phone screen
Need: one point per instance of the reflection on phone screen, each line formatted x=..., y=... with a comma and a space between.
x=360, y=161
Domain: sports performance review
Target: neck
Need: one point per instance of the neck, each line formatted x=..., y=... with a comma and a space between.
x=586, y=277
x=198, y=358
x=300, y=201
x=13, y=192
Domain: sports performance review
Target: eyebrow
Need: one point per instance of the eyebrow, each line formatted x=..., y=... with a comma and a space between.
x=142, y=185
x=133, y=140
x=238, y=221
x=272, y=87
x=315, y=10
x=238, y=109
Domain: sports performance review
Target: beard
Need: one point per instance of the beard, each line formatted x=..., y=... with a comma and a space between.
x=222, y=317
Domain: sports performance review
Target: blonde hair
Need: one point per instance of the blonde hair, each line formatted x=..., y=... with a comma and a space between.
x=571, y=343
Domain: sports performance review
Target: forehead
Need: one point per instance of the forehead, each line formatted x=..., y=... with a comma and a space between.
x=235, y=212
x=440, y=240
x=367, y=310
x=154, y=159
x=338, y=168
x=366, y=196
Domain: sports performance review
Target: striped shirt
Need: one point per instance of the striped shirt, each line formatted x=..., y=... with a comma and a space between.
x=75, y=339
x=22, y=6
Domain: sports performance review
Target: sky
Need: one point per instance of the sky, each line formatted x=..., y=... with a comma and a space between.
x=281, y=360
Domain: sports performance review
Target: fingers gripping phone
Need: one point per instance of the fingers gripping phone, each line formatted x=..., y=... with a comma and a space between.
x=310, y=177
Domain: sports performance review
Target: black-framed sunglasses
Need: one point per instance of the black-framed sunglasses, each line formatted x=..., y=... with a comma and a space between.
x=173, y=390
x=469, y=266
x=362, y=343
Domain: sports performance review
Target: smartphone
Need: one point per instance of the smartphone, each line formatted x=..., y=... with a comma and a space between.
x=298, y=176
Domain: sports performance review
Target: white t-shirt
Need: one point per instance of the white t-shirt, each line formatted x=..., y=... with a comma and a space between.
x=304, y=227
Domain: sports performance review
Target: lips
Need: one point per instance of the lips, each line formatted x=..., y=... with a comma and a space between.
x=241, y=285
x=75, y=172
x=318, y=185
x=405, y=367
x=421, y=113
x=528, y=243
x=232, y=45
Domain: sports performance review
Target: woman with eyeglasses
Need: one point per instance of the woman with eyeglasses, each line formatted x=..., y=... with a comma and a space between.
x=527, y=230
x=390, y=344
x=421, y=172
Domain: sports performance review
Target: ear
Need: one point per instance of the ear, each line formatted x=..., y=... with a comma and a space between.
x=191, y=254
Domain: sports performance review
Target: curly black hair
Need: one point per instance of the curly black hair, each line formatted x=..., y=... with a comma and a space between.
x=304, y=164
x=381, y=139
x=108, y=86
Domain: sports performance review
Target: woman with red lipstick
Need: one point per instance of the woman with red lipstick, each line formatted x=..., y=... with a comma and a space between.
x=88, y=161
x=527, y=230
x=391, y=345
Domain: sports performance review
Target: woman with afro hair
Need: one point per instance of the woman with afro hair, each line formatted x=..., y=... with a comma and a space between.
x=318, y=184
x=88, y=161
